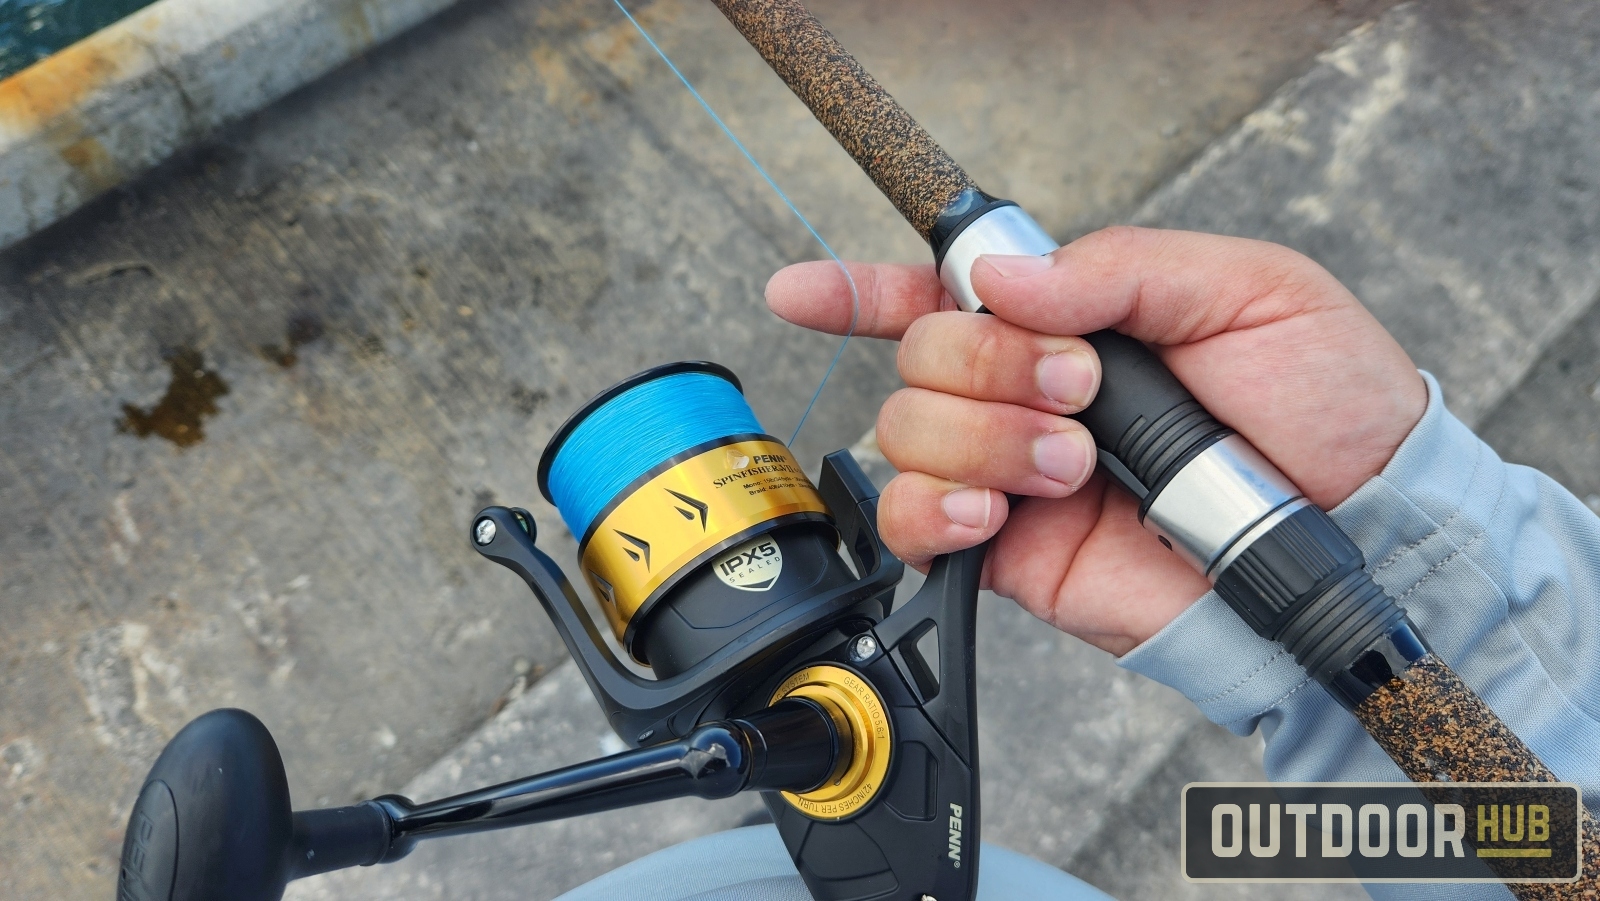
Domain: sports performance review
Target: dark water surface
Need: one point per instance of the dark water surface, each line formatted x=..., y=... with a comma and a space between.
x=31, y=30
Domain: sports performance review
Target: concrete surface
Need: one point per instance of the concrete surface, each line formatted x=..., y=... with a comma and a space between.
x=407, y=274
x=95, y=114
x=1552, y=420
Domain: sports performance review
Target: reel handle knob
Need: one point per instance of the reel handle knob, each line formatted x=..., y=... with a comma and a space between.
x=213, y=821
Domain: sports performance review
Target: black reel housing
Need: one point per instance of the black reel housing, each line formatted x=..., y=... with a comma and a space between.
x=900, y=844
x=213, y=820
x=703, y=614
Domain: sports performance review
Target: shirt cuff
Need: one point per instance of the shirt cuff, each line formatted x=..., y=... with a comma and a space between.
x=1235, y=676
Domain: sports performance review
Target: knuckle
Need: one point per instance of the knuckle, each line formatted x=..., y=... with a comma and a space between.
x=911, y=352
x=869, y=294
x=985, y=359
x=1115, y=238
x=901, y=523
x=892, y=418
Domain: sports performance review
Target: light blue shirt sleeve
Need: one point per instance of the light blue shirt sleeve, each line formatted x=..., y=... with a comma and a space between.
x=1497, y=565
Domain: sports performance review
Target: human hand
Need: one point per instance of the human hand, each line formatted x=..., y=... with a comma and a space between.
x=1270, y=343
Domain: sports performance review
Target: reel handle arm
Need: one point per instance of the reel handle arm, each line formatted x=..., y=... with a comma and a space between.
x=213, y=821
x=337, y=838
x=793, y=745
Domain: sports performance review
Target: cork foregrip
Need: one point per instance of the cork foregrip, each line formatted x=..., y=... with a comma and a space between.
x=917, y=176
x=1438, y=730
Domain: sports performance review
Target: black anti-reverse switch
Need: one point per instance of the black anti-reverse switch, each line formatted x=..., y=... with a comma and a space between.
x=1286, y=568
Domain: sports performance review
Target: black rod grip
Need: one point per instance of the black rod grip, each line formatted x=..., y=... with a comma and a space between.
x=1143, y=417
x=1302, y=582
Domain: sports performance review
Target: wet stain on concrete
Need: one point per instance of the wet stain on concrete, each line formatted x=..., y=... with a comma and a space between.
x=303, y=329
x=526, y=400
x=189, y=399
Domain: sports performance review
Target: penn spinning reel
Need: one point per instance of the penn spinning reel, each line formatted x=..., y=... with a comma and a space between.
x=778, y=666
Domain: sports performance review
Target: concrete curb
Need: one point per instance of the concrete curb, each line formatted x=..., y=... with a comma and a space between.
x=107, y=108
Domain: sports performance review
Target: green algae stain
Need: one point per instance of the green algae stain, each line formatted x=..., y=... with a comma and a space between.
x=179, y=414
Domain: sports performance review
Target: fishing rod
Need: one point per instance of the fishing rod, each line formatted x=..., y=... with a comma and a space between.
x=761, y=606
x=1278, y=560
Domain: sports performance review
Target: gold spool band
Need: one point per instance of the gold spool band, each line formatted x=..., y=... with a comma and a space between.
x=658, y=531
x=859, y=713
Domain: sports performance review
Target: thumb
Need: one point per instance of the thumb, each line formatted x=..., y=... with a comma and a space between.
x=1163, y=287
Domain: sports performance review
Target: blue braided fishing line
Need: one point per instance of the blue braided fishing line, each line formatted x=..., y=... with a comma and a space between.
x=638, y=430
x=855, y=297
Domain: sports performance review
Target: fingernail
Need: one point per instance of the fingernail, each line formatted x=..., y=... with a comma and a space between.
x=969, y=507
x=1067, y=377
x=1011, y=266
x=1067, y=457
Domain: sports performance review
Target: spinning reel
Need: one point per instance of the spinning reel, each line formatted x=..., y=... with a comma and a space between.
x=779, y=666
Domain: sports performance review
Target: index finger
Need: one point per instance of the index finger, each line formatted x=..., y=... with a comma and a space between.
x=816, y=295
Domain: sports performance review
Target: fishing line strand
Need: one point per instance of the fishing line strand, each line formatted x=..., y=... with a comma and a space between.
x=855, y=298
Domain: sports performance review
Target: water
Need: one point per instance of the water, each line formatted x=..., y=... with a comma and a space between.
x=31, y=30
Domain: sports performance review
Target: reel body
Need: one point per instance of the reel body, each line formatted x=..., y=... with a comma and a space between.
x=906, y=823
x=919, y=828
x=765, y=607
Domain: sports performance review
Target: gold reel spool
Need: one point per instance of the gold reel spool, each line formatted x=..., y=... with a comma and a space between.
x=686, y=513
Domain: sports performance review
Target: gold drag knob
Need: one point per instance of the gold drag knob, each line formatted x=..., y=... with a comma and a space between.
x=859, y=715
